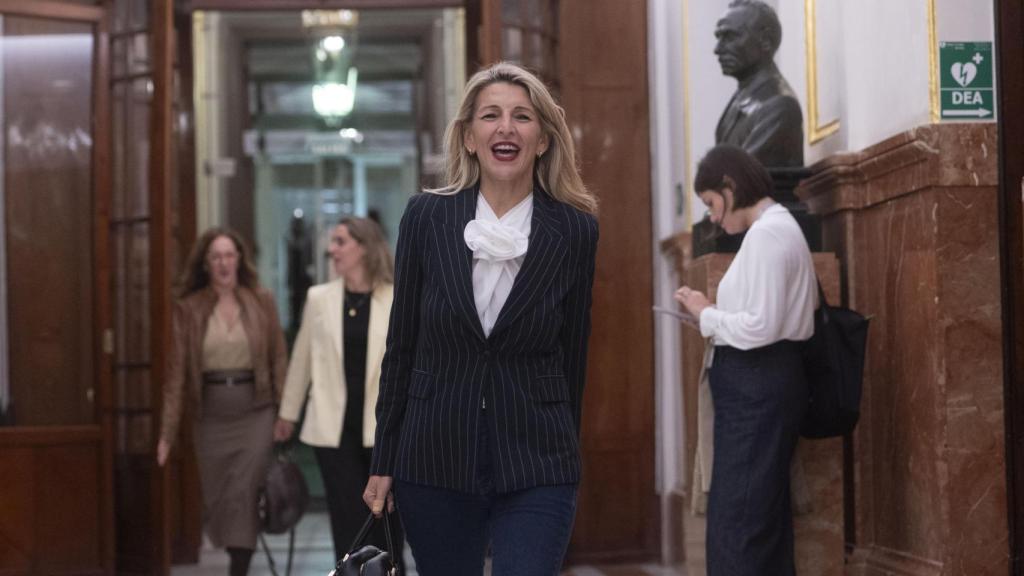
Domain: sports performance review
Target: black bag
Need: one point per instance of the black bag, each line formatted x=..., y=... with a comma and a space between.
x=369, y=560
x=284, y=497
x=283, y=500
x=834, y=365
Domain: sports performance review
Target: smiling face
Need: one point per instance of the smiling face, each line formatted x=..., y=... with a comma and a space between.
x=720, y=210
x=222, y=262
x=740, y=49
x=346, y=252
x=506, y=135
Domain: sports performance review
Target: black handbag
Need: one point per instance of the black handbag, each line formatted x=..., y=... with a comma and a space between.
x=284, y=497
x=283, y=500
x=834, y=366
x=368, y=560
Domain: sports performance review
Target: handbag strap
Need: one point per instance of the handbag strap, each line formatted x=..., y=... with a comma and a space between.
x=270, y=557
x=365, y=531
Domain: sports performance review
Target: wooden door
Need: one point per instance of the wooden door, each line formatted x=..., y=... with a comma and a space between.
x=603, y=88
x=56, y=513
x=142, y=249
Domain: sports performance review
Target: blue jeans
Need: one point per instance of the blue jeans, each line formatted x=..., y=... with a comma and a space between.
x=449, y=531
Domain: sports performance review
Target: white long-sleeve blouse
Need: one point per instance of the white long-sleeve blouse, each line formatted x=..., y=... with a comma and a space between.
x=770, y=290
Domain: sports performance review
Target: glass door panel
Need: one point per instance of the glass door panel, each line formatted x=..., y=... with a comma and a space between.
x=46, y=87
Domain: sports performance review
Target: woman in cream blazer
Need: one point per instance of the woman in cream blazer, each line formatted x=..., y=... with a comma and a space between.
x=335, y=371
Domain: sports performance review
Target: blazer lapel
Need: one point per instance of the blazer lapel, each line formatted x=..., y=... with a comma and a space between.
x=335, y=302
x=542, y=262
x=457, y=258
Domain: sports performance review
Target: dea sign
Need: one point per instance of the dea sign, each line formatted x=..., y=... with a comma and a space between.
x=965, y=69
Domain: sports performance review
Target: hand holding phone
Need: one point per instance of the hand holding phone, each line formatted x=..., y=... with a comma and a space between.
x=684, y=317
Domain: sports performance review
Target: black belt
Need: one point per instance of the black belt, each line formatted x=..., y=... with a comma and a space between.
x=228, y=377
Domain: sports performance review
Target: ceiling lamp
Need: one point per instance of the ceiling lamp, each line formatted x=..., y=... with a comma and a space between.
x=333, y=100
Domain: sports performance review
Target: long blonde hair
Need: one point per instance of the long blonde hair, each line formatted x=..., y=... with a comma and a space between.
x=555, y=170
x=380, y=268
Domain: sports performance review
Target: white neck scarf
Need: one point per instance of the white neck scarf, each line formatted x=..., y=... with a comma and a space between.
x=499, y=247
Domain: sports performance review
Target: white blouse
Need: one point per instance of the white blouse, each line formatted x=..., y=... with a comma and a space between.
x=770, y=290
x=499, y=247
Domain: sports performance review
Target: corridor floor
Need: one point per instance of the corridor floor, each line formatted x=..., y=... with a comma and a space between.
x=314, y=557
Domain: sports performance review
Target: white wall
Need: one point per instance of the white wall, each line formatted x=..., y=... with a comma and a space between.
x=211, y=46
x=873, y=64
x=668, y=175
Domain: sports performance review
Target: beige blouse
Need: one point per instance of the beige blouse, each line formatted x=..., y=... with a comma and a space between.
x=226, y=348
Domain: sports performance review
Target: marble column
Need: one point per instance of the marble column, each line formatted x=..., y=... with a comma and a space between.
x=913, y=220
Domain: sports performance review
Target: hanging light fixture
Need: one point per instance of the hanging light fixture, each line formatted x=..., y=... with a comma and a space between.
x=333, y=100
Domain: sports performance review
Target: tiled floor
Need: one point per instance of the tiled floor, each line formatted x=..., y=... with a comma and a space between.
x=314, y=557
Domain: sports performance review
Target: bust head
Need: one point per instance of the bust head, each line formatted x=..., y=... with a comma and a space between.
x=748, y=35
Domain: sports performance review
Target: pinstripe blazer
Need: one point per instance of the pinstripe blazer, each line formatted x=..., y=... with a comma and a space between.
x=439, y=370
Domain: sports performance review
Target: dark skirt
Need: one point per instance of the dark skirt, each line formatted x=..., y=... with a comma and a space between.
x=234, y=443
x=759, y=397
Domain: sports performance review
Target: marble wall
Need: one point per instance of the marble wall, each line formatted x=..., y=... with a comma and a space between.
x=913, y=220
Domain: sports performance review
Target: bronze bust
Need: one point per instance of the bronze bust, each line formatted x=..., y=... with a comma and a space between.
x=763, y=117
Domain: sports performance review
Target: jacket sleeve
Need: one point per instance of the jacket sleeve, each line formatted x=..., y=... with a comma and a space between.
x=296, y=384
x=174, y=375
x=277, y=351
x=403, y=330
x=575, y=332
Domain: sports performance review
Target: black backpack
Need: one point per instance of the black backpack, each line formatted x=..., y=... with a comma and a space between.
x=834, y=365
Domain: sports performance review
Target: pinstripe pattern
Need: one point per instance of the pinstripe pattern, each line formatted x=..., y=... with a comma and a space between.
x=439, y=367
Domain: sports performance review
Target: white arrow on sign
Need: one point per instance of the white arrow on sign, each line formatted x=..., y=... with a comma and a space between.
x=979, y=113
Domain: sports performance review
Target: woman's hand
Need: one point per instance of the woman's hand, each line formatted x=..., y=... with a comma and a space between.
x=378, y=491
x=693, y=300
x=283, y=430
x=163, y=450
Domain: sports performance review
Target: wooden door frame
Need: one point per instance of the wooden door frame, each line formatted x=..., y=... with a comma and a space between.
x=102, y=430
x=1010, y=62
x=161, y=138
x=293, y=5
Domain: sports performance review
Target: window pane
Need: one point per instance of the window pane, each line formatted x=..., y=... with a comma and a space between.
x=512, y=44
x=46, y=115
x=511, y=12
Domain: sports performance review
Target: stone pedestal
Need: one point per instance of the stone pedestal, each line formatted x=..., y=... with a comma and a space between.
x=913, y=220
x=819, y=532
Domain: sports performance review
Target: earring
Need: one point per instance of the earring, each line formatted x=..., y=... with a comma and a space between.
x=472, y=152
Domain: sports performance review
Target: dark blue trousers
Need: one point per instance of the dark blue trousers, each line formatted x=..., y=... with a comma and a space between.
x=450, y=532
x=760, y=397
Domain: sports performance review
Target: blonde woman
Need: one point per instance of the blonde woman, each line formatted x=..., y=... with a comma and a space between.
x=482, y=383
x=335, y=370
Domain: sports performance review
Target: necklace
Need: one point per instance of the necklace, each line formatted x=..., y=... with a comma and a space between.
x=354, y=305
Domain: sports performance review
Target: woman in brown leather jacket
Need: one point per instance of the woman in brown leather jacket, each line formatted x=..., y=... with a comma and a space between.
x=227, y=363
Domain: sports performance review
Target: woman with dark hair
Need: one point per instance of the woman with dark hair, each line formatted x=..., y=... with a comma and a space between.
x=227, y=363
x=481, y=388
x=764, y=312
x=335, y=373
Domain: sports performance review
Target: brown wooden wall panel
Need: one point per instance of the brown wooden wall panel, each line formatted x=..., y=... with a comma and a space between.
x=604, y=92
x=49, y=503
